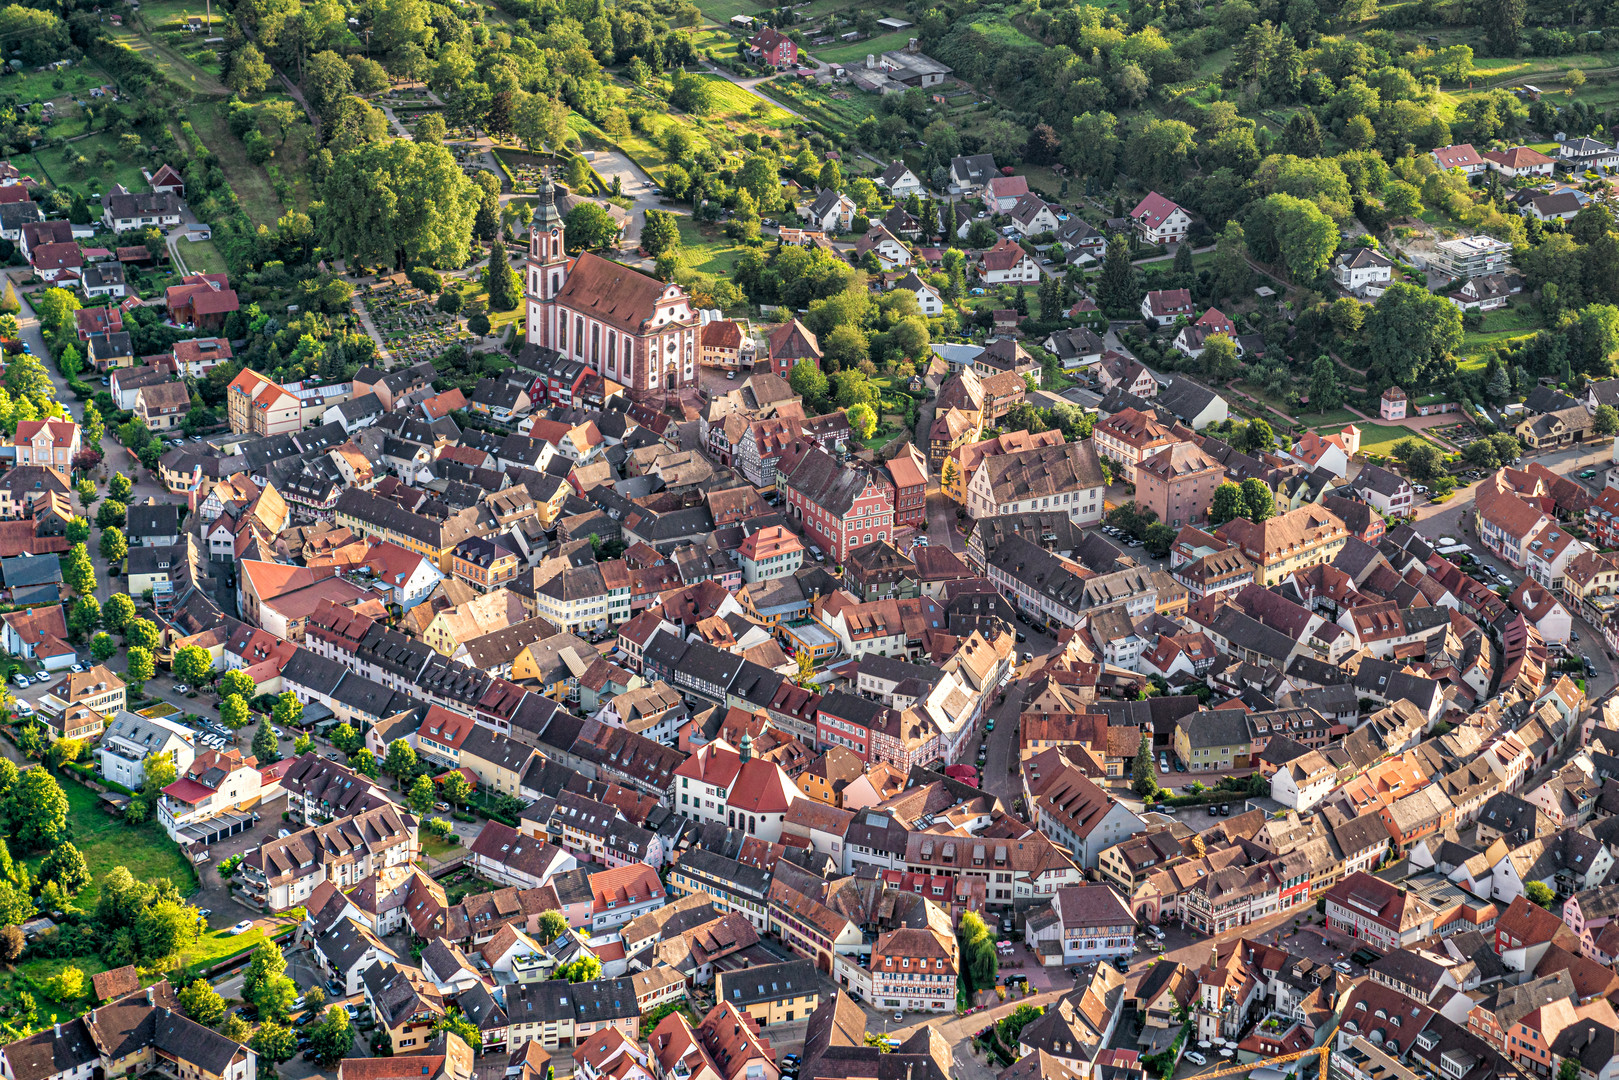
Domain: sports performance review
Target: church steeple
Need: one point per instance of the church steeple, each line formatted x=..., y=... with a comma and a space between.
x=545, y=229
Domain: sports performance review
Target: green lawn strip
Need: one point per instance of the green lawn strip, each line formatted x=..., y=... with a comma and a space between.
x=202, y=257
x=1379, y=438
x=77, y=81
x=55, y=161
x=1476, y=343
x=842, y=114
x=720, y=11
x=706, y=249
x=106, y=842
x=735, y=101
x=216, y=946
x=251, y=183
x=1338, y=417
x=41, y=971
x=843, y=53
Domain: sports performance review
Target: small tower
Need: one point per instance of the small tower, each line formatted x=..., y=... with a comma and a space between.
x=744, y=749
x=547, y=267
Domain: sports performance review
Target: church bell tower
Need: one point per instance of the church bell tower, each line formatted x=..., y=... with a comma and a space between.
x=547, y=268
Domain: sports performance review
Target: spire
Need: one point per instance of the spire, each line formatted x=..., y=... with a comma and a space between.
x=545, y=211
x=744, y=749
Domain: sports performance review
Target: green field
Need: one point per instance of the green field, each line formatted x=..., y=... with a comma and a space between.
x=106, y=842
x=706, y=248
x=55, y=163
x=202, y=257
x=733, y=101
x=201, y=78
x=40, y=85
x=1511, y=323
x=1378, y=438
x=842, y=113
x=840, y=53
x=1338, y=417
x=720, y=11
x=251, y=183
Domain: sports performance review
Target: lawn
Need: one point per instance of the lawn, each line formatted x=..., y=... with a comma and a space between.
x=201, y=78
x=54, y=162
x=842, y=113
x=218, y=945
x=1330, y=418
x=706, y=248
x=1379, y=438
x=32, y=86
x=849, y=52
x=106, y=842
x=720, y=11
x=251, y=183
x=432, y=845
x=733, y=101
x=202, y=257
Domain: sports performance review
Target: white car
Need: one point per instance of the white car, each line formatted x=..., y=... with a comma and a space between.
x=24, y=709
x=1196, y=1058
x=282, y=834
x=20, y=680
x=242, y=927
x=1343, y=966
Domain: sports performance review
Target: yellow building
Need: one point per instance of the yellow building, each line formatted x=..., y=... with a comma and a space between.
x=771, y=993
x=1308, y=536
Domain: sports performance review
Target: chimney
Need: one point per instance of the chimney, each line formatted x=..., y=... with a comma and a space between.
x=148, y=995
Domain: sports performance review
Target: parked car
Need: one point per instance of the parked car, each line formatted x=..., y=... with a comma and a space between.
x=1196, y=1058
x=181, y=688
x=1343, y=966
x=20, y=680
x=242, y=927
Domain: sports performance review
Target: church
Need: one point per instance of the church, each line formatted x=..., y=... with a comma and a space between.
x=628, y=326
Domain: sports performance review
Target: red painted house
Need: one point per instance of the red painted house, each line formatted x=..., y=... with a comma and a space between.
x=774, y=47
x=908, y=483
x=840, y=507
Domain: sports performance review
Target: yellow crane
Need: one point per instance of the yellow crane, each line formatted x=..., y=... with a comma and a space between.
x=1321, y=1051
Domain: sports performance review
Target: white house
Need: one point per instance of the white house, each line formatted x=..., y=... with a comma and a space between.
x=1033, y=215
x=1460, y=156
x=1389, y=492
x=1191, y=339
x=1164, y=306
x=1090, y=921
x=1518, y=161
x=1304, y=782
x=927, y=297
x=1160, y=221
x=1481, y=293
x=1560, y=206
x=1007, y=262
x=831, y=210
x=1540, y=606
x=1003, y=192
x=130, y=739
x=899, y=181
x=891, y=252
x=1585, y=153
x=1354, y=270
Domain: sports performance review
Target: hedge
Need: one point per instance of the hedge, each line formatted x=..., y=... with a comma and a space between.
x=1203, y=798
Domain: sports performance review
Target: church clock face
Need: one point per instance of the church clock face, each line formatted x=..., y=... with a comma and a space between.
x=553, y=231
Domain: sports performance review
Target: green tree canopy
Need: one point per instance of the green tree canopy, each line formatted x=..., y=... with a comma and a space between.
x=398, y=203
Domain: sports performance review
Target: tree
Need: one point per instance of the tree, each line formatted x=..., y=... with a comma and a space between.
x=345, y=739
x=1219, y=359
x=65, y=866
x=505, y=288
x=1420, y=457
x=1570, y=1068
x=1258, y=437
x=266, y=965
x=862, y=421
x=66, y=751
x=237, y=681
x=398, y=203
x=331, y=1038
x=12, y=943
x=88, y=495
x=289, y=711
x=456, y=789
x=1502, y=21
x=1257, y=500
x=202, y=1004
x=275, y=1042
x=808, y=382
x=456, y=1023
x=400, y=760
x=250, y=73
x=140, y=665
x=1116, y=290
x=585, y=969
x=365, y=762
x=192, y=665
x=118, y=613
x=977, y=947
x=119, y=487
x=1144, y=780
x=1295, y=230
x=234, y=1028
x=141, y=632
x=589, y=227
x=302, y=745
x=266, y=747
x=551, y=924
x=1324, y=391
x=1227, y=504
x=660, y=233
x=77, y=531
x=165, y=927
x=1605, y=421
x=85, y=617
x=36, y=811
x=111, y=513
x=77, y=572
x=539, y=120
x=422, y=795
x=1408, y=331
x=275, y=998
x=66, y=985
x=113, y=545
x=102, y=646
x=1538, y=892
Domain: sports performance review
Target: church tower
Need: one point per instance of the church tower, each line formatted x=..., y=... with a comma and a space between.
x=547, y=267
